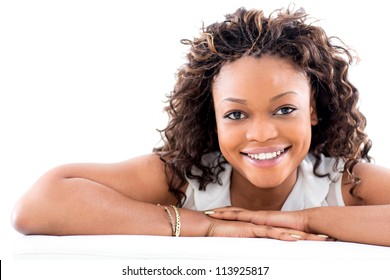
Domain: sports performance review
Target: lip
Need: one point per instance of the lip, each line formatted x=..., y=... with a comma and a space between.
x=261, y=150
x=265, y=163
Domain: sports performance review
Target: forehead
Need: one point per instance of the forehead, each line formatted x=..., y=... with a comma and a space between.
x=267, y=74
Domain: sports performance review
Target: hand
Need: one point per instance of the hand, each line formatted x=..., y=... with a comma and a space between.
x=233, y=221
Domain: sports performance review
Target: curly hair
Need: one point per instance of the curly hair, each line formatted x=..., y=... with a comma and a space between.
x=191, y=130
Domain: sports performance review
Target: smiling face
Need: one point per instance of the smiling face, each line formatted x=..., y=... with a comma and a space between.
x=264, y=117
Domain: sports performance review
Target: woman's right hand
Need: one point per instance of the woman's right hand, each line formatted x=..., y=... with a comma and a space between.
x=224, y=228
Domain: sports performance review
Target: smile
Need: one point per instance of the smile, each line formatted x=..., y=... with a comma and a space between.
x=266, y=156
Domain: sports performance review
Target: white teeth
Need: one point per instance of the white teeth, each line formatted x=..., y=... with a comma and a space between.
x=265, y=156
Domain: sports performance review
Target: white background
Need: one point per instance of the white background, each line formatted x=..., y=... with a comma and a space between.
x=85, y=81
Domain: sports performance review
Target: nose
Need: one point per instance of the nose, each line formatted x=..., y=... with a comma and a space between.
x=261, y=130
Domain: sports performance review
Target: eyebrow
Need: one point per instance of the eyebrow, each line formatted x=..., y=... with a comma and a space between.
x=276, y=97
x=272, y=99
x=235, y=100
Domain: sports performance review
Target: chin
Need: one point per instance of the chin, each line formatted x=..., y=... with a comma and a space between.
x=267, y=185
x=270, y=179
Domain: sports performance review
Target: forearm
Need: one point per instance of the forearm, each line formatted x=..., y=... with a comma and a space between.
x=79, y=206
x=361, y=224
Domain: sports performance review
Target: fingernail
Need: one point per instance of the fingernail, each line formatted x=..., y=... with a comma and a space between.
x=296, y=236
x=322, y=235
x=209, y=212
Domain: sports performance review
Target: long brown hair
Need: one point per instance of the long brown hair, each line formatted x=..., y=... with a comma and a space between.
x=190, y=133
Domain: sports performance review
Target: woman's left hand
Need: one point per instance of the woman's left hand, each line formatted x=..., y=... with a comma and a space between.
x=296, y=220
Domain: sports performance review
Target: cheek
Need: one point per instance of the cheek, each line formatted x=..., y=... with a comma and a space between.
x=300, y=132
x=229, y=136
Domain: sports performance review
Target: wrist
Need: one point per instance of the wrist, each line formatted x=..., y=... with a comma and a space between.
x=309, y=218
x=194, y=223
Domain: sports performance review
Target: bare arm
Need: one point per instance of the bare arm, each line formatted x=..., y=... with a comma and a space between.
x=361, y=224
x=365, y=220
x=102, y=199
x=118, y=199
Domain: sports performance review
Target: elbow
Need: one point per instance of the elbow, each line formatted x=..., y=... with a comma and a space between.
x=32, y=217
x=21, y=220
x=33, y=213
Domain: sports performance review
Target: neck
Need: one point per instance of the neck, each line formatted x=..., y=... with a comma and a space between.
x=245, y=195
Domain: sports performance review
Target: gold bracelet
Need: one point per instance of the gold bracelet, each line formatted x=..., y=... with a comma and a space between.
x=171, y=219
x=178, y=221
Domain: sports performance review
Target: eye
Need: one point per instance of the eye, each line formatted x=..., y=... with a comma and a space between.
x=236, y=115
x=285, y=111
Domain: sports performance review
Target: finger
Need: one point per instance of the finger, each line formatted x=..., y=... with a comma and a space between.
x=223, y=209
x=234, y=215
x=320, y=237
x=276, y=233
x=300, y=235
x=288, y=234
x=223, y=215
x=239, y=214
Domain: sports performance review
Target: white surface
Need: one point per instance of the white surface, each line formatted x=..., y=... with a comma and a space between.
x=113, y=247
x=84, y=80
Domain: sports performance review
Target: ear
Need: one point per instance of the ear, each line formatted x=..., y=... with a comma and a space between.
x=313, y=116
x=313, y=110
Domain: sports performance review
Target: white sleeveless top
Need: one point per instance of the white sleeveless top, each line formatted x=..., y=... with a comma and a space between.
x=309, y=190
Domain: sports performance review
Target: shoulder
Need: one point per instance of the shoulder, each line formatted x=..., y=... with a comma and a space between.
x=374, y=187
x=142, y=178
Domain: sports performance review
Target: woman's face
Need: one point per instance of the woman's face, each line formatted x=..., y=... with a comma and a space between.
x=264, y=117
